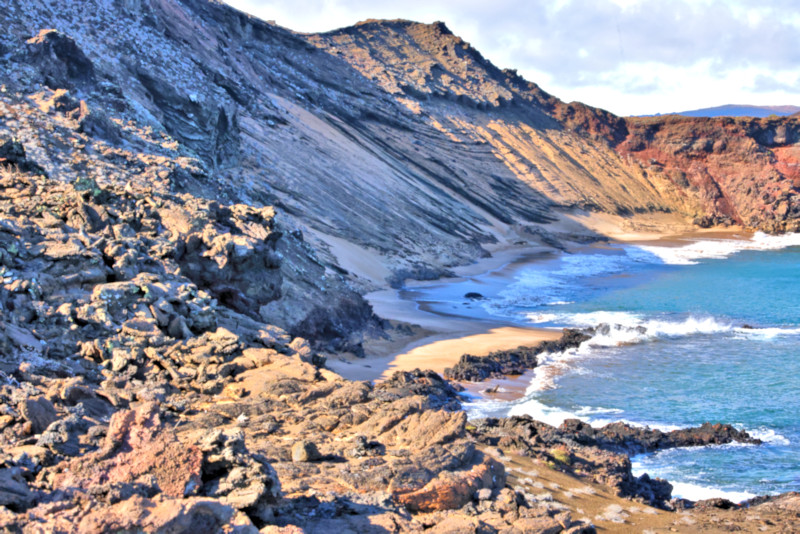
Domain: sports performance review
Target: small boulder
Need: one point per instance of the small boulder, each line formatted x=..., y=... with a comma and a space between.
x=39, y=412
x=305, y=451
x=63, y=436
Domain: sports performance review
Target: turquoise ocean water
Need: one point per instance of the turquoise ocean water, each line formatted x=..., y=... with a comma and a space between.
x=709, y=331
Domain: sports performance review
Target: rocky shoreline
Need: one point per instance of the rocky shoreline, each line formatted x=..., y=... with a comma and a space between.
x=511, y=361
x=139, y=392
x=165, y=319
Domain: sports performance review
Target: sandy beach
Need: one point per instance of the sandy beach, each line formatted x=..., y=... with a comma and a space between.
x=435, y=341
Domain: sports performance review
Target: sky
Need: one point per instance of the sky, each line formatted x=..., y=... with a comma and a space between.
x=631, y=57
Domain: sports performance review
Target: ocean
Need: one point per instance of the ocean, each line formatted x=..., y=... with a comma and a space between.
x=705, y=331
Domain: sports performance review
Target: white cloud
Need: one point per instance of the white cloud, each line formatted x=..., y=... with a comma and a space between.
x=628, y=56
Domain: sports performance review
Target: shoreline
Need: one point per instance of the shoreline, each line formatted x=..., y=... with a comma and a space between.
x=435, y=340
x=443, y=338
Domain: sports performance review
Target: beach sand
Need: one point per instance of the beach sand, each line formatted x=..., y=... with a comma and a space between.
x=427, y=340
x=439, y=350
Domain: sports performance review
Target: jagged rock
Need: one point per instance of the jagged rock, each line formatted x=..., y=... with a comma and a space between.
x=138, y=449
x=722, y=504
x=59, y=59
x=632, y=440
x=274, y=337
x=511, y=362
x=607, y=464
x=12, y=153
x=449, y=491
x=63, y=436
x=236, y=477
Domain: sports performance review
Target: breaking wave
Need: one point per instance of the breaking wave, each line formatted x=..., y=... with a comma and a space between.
x=720, y=248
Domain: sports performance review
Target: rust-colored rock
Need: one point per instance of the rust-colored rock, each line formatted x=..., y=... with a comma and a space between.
x=449, y=491
x=139, y=449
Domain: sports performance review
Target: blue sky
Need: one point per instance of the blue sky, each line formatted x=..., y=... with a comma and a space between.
x=628, y=56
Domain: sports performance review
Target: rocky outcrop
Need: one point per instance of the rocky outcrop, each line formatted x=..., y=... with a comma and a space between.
x=606, y=466
x=166, y=515
x=12, y=156
x=136, y=259
x=602, y=453
x=137, y=456
x=450, y=491
x=632, y=440
x=511, y=362
x=742, y=170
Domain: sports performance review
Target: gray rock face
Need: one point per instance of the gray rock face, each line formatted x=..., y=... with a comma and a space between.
x=14, y=491
x=60, y=60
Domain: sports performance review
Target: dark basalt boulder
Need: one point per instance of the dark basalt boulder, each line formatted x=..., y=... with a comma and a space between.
x=441, y=394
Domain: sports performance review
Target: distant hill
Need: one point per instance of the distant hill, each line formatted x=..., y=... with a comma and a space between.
x=733, y=110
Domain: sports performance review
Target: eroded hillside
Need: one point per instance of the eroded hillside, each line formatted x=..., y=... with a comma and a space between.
x=165, y=167
x=395, y=137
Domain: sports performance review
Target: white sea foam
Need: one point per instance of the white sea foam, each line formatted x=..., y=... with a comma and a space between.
x=554, y=283
x=696, y=492
x=622, y=328
x=768, y=333
x=720, y=248
x=767, y=435
x=584, y=411
x=541, y=412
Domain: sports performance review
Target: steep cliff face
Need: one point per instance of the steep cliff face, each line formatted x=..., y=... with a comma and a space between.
x=538, y=143
x=86, y=201
x=394, y=137
x=742, y=170
x=716, y=171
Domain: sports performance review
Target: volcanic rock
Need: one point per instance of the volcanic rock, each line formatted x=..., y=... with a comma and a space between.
x=510, y=362
x=14, y=491
x=39, y=412
x=138, y=449
x=141, y=514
